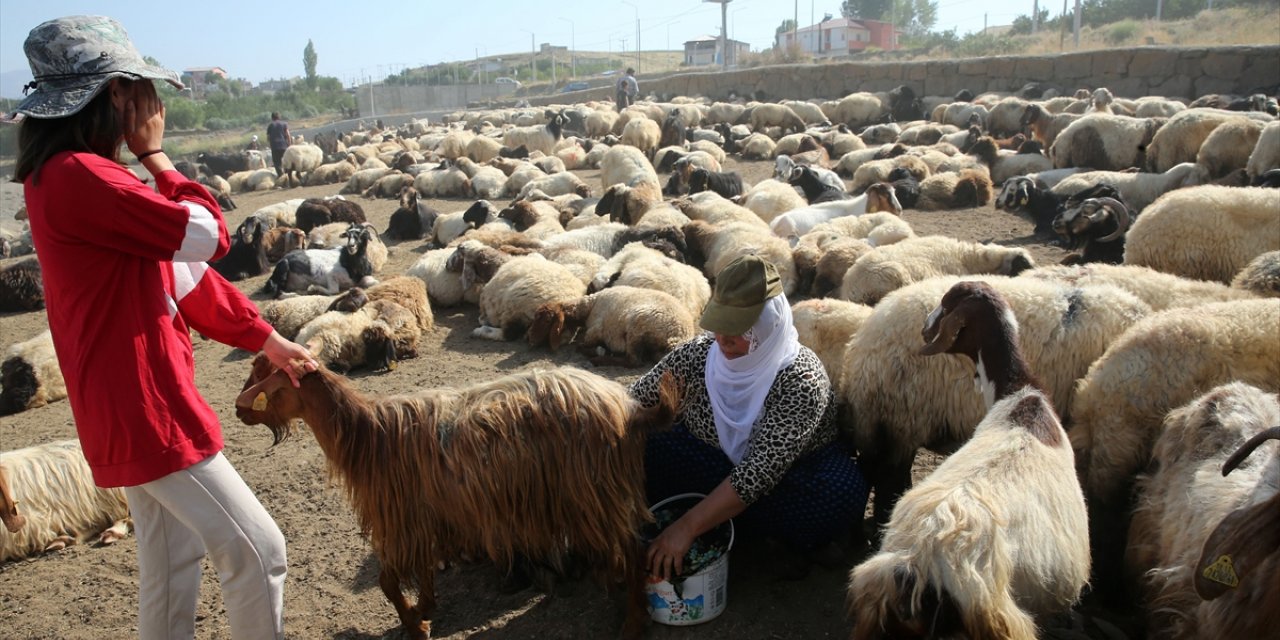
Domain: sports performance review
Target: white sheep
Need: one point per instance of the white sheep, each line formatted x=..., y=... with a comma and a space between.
x=444, y=287
x=627, y=165
x=1266, y=153
x=54, y=488
x=1200, y=507
x=1062, y=330
x=892, y=267
x=1138, y=190
x=1228, y=146
x=712, y=247
x=858, y=110
x=445, y=181
x=1117, y=410
x=521, y=285
x=1157, y=107
x=299, y=160
x=643, y=134
x=955, y=190
x=826, y=325
x=252, y=180
x=31, y=375
x=1261, y=277
x=809, y=112
x=997, y=533
x=483, y=148
x=556, y=184
x=711, y=207
x=756, y=146
x=1180, y=139
x=1105, y=142
x=1206, y=232
x=629, y=326
x=770, y=198
x=376, y=335
x=775, y=115
x=1159, y=290
x=636, y=265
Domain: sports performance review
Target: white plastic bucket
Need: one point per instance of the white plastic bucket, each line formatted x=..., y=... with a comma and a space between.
x=703, y=595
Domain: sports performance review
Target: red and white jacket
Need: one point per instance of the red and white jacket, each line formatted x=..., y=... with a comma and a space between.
x=125, y=280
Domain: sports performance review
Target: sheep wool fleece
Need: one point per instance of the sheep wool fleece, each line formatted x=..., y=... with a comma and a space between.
x=125, y=280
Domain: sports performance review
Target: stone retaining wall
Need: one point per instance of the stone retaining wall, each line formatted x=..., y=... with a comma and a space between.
x=1176, y=72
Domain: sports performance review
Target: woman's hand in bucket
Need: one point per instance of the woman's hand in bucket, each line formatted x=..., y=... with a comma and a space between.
x=143, y=118
x=667, y=552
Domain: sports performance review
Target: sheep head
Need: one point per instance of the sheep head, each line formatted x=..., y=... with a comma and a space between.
x=969, y=303
x=1032, y=113
x=349, y=301
x=1246, y=540
x=548, y=326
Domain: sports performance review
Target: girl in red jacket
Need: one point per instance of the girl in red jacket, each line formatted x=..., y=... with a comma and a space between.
x=125, y=280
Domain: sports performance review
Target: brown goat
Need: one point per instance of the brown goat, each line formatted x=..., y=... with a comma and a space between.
x=541, y=465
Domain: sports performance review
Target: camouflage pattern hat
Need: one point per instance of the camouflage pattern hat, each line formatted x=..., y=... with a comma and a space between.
x=72, y=59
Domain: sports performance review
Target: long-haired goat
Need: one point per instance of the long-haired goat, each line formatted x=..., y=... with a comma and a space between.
x=21, y=287
x=62, y=506
x=998, y=532
x=1204, y=543
x=536, y=465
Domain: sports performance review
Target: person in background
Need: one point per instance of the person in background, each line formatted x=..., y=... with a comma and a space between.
x=278, y=138
x=627, y=89
x=253, y=144
x=126, y=280
x=756, y=432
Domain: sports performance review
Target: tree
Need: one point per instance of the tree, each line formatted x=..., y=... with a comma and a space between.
x=309, y=59
x=866, y=9
x=916, y=17
x=787, y=25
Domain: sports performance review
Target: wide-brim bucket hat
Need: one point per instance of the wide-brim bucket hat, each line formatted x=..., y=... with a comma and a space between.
x=73, y=58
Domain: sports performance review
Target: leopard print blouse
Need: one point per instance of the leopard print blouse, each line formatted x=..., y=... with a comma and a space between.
x=798, y=415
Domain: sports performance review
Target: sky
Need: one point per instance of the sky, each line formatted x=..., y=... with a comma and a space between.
x=263, y=40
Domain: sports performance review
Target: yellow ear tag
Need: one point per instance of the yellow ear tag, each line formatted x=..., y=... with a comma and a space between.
x=260, y=401
x=1023, y=201
x=391, y=366
x=1222, y=572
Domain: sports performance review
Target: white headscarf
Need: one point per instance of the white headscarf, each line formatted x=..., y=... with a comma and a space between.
x=737, y=387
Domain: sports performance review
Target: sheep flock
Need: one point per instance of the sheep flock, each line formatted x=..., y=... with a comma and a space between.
x=1025, y=283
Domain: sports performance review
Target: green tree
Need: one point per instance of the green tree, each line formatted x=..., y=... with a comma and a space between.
x=309, y=59
x=866, y=9
x=787, y=25
x=915, y=17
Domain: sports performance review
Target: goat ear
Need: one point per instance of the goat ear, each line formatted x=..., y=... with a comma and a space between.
x=255, y=396
x=948, y=328
x=1239, y=546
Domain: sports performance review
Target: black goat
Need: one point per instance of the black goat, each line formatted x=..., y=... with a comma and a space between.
x=21, y=287
x=247, y=256
x=903, y=105
x=520, y=152
x=815, y=190
x=1271, y=179
x=413, y=220
x=1097, y=227
x=224, y=164
x=905, y=186
x=673, y=130
x=670, y=241
x=315, y=212
x=1025, y=195
x=728, y=183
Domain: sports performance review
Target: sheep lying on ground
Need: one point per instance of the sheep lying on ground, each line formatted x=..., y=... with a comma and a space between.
x=637, y=265
x=793, y=224
x=21, y=287
x=313, y=212
x=955, y=190
x=1137, y=190
x=30, y=376
x=1159, y=290
x=375, y=335
x=1260, y=277
x=770, y=198
x=59, y=501
x=1105, y=142
x=629, y=326
x=1180, y=139
x=1266, y=153
x=997, y=533
x=327, y=271
x=521, y=285
x=713, y=247
x=1206, y=232
x=1193, y=516
x=542, y=466
x=825, y=325
x=887, y=269
x=1229, y=146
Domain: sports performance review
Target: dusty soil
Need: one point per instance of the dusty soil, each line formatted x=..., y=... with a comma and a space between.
x=87, y=591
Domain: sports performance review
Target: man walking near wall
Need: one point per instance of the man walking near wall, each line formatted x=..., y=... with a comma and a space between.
x=278, y=137
x=627, y=89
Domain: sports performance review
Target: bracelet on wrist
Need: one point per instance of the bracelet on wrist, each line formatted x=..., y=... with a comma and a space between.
x=145, y=154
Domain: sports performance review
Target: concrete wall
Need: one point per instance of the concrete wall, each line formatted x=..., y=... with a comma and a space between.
x=1178, y=72
x=396, y=99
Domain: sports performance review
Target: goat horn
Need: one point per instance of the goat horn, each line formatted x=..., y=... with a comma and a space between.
x=1121, y=213
x=1247, y=448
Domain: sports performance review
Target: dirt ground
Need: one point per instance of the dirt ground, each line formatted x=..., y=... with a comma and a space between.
x=87, y=591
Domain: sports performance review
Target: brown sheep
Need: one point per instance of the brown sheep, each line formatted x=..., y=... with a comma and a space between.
x=535, y=466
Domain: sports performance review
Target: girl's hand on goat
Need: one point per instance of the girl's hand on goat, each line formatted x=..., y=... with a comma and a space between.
x=666, y=553
x=293, y=358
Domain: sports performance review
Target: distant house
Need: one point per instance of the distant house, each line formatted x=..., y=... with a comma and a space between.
x=840, y=36
x=201, y=79
x=705, y=50
x=272, y=87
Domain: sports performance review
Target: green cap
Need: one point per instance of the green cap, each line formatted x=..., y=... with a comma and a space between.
x=742, y=288
x=72, y=59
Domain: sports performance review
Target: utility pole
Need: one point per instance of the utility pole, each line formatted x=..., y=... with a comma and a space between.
x=1159, y=9
x=533, y=57
x=795, y=25
x=573, y=50
x=637, y=9
x=553, y=66
x=724, y=29
x=1077, y=24
x=1062, y=33
x=1035, y=16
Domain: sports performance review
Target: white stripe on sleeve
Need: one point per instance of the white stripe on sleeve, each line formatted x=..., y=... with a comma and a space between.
x=201, y=238
x=186, y=276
